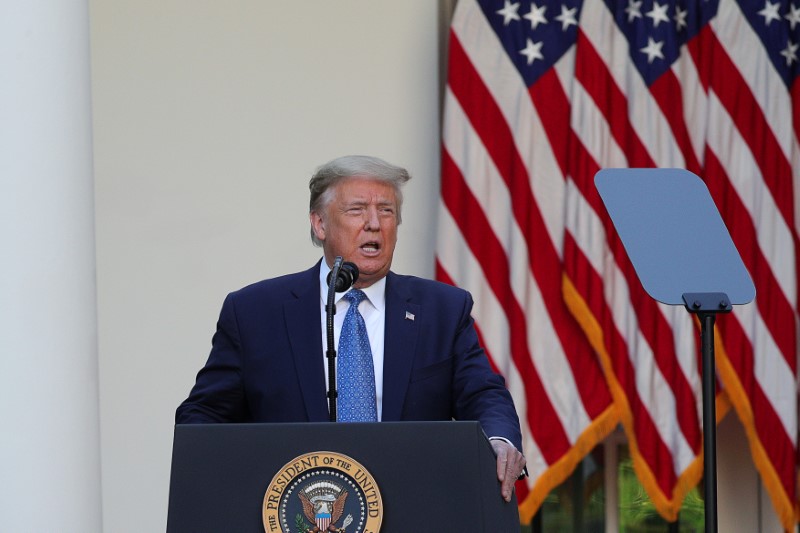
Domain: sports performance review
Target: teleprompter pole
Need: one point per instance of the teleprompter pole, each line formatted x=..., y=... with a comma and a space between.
x=706, y=306
x=709, y=420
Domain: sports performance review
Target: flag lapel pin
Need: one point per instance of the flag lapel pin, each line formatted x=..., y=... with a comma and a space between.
x=409, y=316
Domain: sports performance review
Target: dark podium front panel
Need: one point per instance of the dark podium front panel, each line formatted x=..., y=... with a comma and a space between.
x=432, y=476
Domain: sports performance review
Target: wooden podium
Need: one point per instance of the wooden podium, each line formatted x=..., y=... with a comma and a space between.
x=431, y=476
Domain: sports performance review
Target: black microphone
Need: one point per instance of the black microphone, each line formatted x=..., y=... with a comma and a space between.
x=346, y=274
x=345, y=278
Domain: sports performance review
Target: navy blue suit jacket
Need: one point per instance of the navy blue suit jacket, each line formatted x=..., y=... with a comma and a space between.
x=267, y=362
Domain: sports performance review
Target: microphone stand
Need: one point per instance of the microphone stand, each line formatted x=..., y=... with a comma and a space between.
x=330, y=310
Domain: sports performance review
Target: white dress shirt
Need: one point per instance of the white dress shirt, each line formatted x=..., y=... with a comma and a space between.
x=373, y=309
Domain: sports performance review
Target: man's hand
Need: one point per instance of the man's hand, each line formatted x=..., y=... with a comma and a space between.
x=510, y=464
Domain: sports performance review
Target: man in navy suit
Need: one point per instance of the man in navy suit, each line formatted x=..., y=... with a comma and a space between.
x=267, y=361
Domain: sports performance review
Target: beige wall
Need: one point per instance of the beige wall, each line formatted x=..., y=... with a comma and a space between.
x=209, y=117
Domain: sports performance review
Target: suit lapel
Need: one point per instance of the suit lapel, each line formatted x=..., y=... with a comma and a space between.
x=400, y=341
x=305, y=336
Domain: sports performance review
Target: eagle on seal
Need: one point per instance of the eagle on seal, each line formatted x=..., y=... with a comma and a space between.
x=334, y=508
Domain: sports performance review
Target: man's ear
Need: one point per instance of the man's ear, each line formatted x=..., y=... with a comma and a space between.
x=318, y=224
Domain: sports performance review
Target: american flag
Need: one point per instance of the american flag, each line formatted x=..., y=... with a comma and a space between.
x=540, y=96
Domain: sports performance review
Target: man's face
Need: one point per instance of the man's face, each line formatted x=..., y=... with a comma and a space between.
x=359, y=224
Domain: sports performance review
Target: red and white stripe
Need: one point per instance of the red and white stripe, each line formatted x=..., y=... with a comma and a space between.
x=558, y=304
x=502, y=185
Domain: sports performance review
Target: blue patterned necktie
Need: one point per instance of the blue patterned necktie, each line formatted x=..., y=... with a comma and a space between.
x=357, y=401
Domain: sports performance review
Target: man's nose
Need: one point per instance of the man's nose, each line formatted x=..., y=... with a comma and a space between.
x=371, y=221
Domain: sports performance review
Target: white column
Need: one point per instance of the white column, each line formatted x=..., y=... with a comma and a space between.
x=737, y=479
x=49, y=423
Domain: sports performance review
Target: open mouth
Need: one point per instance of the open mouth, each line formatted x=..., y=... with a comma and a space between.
x=371, y=247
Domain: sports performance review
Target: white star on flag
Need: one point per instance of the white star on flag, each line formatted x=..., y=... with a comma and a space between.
x=509, y=12
x=567, y=17
x=770, y=12
x=680, y=18
x=789, y=52
x=536, y=16
x=653, y=49
x=532, y=51
x=793, y=16
x=634, y=9
x=658, y=14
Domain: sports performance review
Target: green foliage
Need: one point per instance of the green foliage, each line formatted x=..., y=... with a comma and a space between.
x=578, y=504
x=637, y=514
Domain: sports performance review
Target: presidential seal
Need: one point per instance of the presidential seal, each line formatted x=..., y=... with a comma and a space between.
x=322, y=491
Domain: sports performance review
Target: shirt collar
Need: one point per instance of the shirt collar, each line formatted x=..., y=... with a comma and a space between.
x=376, y=293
